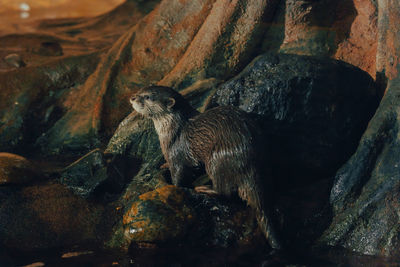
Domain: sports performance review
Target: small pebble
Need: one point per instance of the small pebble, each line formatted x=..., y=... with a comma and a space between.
x=14, y=60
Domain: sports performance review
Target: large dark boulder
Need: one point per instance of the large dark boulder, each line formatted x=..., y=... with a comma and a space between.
x=313, y=110
x=46, y=216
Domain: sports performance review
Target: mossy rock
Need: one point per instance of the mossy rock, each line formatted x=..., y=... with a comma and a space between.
x=159, y=216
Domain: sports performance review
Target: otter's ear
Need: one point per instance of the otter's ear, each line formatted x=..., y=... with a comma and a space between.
x=170, y=102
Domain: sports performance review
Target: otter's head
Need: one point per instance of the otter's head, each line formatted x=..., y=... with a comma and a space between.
x=157, y=101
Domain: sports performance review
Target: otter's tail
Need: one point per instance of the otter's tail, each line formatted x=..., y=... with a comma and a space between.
x=268, y=230
x=253, y=194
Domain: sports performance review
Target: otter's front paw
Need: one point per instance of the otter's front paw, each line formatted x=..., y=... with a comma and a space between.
x=164, y=166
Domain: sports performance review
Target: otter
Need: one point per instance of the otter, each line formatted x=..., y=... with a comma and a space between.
x=223, y=140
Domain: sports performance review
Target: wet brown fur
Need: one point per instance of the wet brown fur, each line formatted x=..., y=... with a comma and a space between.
x=222, y=139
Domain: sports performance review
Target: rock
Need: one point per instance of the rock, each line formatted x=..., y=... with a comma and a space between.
x=175, y=215
x=313, y=110
x=14, y=60
x=137, y=153
x=316, y=27
x=224, y=223
x=199, y=94
x=24, y=103
x=344, y=30
x=365, y=193
x=86, y=174
x=227, y=41
x=15, y=169
x=46, y=216
x=50, y=48
x=159, y=216
x=360, y=46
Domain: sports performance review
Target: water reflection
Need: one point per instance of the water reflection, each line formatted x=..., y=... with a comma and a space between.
x=331, y=257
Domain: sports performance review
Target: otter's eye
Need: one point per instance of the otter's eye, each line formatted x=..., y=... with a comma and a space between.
x=146, y=97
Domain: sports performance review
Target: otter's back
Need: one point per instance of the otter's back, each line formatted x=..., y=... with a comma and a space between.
x=222, y=129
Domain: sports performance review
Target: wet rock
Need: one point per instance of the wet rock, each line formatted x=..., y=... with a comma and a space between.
x=15, y=169
x=137, y=136
x=172, y=215
x=50, y=49
x=46, y=216
x=14, y=60
x=159, y=216
x=199, y=94
x=224, y=223
x=27, y=94
x=365, y=193
x=86, y=174
x=136, y=150
x=313, y=110
x=304, y=214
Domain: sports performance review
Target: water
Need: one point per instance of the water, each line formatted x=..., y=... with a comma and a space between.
x=183, y=256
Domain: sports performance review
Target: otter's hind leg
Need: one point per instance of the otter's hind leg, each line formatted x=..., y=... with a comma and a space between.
x=221, y=169
x=230, y=176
